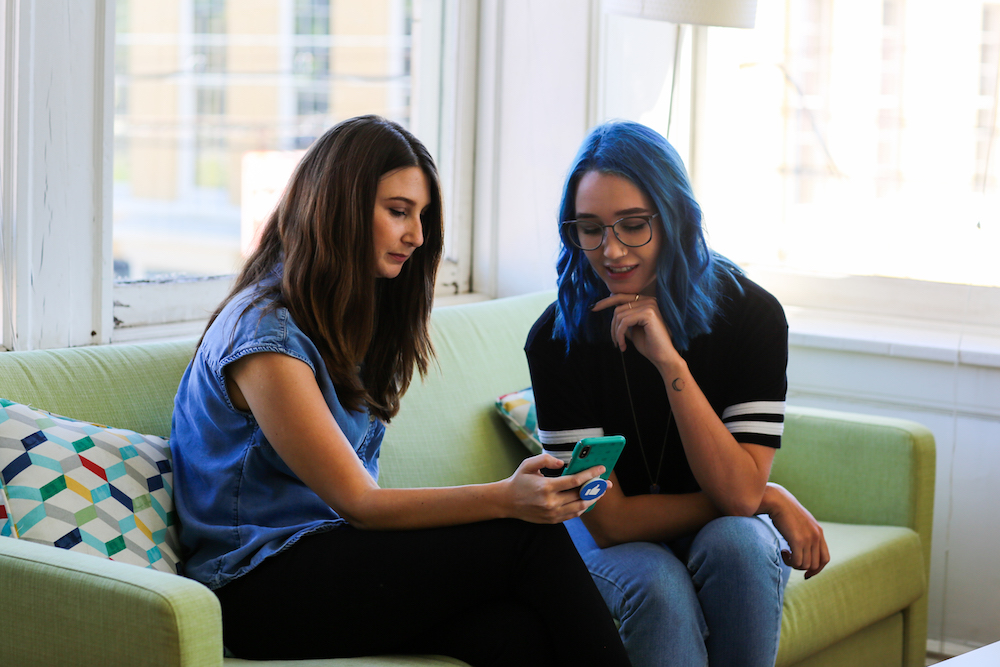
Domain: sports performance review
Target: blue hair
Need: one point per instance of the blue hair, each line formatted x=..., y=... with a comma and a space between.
x=690, y=277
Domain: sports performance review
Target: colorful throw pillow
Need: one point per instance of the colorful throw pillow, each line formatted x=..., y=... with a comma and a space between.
x=87, y=488
x=518, y=410
x=6, y=528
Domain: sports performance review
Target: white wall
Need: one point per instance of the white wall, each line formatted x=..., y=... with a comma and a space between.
x=531, y=123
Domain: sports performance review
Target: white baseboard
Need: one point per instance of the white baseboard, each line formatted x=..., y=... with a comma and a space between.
x=950, y=649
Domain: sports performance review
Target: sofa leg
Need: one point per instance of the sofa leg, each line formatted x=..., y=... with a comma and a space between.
x=915, y=633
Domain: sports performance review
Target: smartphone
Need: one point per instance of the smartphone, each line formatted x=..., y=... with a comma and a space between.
x=591, y=452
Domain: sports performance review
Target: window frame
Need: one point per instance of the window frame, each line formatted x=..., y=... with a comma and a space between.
x=57, y=283
x=58, y=111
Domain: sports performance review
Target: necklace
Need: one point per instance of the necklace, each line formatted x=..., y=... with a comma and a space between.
x=654, y=482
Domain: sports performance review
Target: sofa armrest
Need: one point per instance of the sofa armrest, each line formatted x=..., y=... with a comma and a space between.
x=860, y=469
x=61, y=607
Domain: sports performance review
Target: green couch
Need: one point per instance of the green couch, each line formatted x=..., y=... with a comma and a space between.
x=869, y=480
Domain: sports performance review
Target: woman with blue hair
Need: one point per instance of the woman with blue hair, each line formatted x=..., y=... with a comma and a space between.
x=657, y=338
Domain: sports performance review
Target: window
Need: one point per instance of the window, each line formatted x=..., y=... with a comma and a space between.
x=312, y=17
x=312, y=102
x=985, y=179
x=193, y=176
x=836, y=138
x=121, y=209
x=209, y=16
x=311, y=68
x=206, y=88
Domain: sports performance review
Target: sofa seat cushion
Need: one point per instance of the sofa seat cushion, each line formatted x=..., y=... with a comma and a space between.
x=87, y=487
x=363, y=661
x=874, y=572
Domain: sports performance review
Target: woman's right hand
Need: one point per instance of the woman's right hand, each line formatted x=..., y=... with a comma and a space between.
x=638, y=318
x=535, y=498
x=803, y=533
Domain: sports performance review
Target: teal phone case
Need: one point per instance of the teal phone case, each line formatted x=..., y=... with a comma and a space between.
x=591, y=452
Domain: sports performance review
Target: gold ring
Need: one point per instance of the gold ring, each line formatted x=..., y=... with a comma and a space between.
x=636, y=297
x=629, y=304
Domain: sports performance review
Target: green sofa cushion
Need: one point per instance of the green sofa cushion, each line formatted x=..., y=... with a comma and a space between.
x=858, y=469
x=141, y=378
x=874, y=571
x=447, y=426
x=364, y=661
x=878, y=645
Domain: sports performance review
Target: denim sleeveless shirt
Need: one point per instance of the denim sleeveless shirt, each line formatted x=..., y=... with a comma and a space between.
x=237, y=501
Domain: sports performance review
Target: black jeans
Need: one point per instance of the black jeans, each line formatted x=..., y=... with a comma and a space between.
x=500, y=592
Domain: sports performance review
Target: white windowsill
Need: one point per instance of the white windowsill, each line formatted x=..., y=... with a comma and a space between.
x=194, y=328
x=924, y=340
x=836, y=330
x=155, y=333
x=443, y=300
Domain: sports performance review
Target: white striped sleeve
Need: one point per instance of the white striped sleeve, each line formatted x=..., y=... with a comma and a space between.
x=568, y=437
x=757, y=422
x=560, y=443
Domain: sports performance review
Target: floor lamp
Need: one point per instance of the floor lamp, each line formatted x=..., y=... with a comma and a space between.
x=698, y=13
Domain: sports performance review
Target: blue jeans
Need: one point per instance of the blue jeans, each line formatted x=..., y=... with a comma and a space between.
x=712, y=598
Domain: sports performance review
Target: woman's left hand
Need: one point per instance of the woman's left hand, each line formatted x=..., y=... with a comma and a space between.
x=637, y=318
x=802, y=532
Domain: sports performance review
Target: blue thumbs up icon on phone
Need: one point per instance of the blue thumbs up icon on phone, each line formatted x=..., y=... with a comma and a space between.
x=593, y=489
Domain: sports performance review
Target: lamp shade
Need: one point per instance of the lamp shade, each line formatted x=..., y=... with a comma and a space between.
x=724, y=13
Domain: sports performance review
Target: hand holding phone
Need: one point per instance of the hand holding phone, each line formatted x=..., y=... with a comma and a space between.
x=591, y=452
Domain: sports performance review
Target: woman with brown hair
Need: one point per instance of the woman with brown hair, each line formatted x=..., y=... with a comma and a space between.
x=277, y=426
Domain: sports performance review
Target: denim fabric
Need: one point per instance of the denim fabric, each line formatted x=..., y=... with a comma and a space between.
x=711, y=599
x=237, y=501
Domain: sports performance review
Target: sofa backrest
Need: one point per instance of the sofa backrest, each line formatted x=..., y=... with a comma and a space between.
x=447, y=430
x=126, y=386
x=857, y=468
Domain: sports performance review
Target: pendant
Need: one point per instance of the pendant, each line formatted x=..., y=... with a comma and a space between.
x=654, y=488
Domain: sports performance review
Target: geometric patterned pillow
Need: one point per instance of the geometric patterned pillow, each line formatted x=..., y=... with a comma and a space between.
x=6, y=528
x=87, y=488
x=518, y=410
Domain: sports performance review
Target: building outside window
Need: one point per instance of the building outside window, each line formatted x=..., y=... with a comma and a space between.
x=985, y=179
x=311, y=67
x=215, y=100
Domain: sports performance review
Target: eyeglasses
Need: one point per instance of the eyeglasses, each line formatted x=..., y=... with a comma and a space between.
x=633, y=231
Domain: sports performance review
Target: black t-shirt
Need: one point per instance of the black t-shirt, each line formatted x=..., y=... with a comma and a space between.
x=739, y=366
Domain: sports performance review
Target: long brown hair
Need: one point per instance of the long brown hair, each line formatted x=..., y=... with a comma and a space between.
x=322, y=233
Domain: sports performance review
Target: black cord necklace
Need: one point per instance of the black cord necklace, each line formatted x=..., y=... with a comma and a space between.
x=654, y=482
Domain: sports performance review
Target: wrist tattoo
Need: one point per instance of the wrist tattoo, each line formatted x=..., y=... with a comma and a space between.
x=677, y=384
